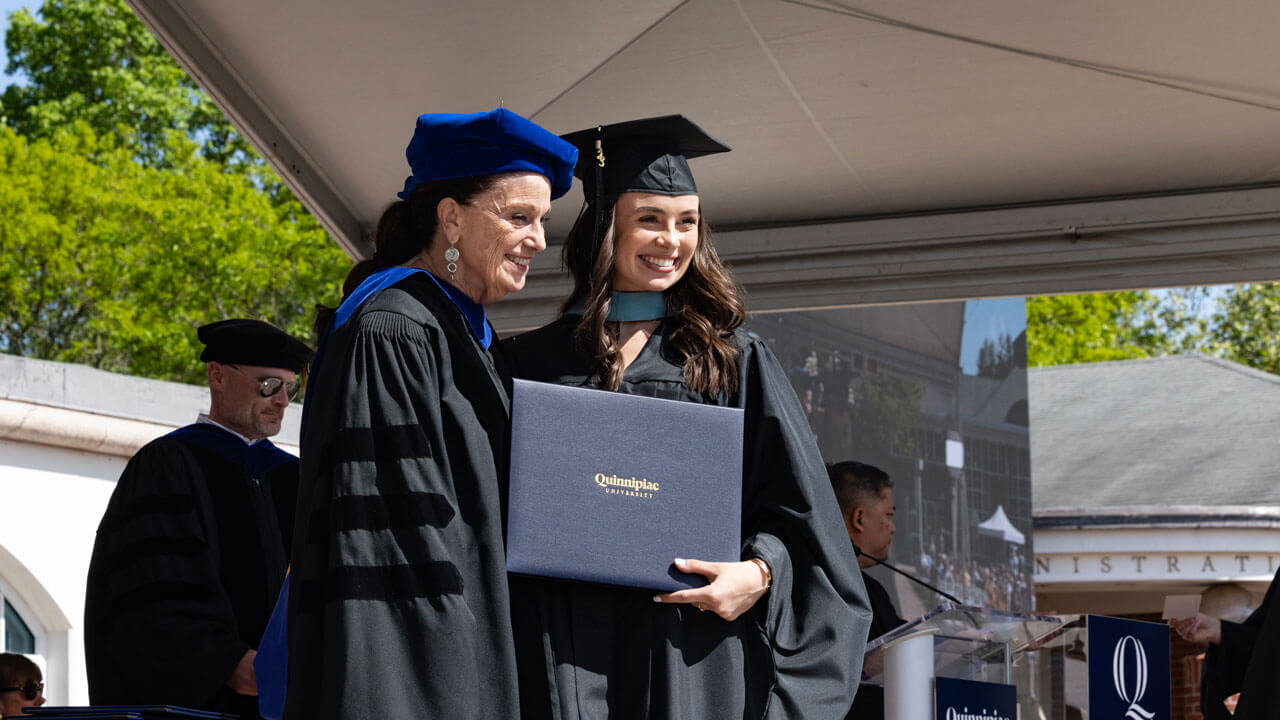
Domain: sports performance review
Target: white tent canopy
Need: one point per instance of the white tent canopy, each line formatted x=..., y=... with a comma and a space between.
x=883, y=152
x=998, y=525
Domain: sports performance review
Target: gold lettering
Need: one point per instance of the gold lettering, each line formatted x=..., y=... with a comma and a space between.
x=1242, y=558
x=617, y=485
x=1208, y=564
x=1106, y=563
x=1138, y=559
x=1042, y=565
x=1173, y=563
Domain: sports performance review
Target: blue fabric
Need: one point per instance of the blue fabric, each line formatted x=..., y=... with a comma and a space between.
x=471, y=310
x=271, y=664
x=383, y=279
x=456, y=145
x=257, y=458
x=375, y=283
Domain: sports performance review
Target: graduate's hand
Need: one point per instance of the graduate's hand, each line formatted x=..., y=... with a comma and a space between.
x=1200, y=629
x=734, y=588
x=242, y=679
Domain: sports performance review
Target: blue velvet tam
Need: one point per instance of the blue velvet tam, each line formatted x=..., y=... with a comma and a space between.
x=455, y=145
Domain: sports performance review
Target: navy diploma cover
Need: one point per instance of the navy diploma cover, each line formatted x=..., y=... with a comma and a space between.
x=611, y=488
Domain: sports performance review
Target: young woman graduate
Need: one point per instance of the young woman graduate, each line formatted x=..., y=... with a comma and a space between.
x=653, y=312
x=398, y=606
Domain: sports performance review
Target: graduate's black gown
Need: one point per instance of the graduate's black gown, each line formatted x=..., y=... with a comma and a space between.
x=186, y=566
x=399, y=602
x=593, y=652
x=1247, y=662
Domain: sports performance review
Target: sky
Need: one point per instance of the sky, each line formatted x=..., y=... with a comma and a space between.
x=6, y=9
x=985, y=319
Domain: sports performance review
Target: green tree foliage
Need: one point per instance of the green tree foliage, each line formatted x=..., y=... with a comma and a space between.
x=94, y=61
x=133, y=211
x=999, y=357
x=885, y=408
x=1246, y=326
x=1067, y=329
x=113, y=264
x=1093, y=327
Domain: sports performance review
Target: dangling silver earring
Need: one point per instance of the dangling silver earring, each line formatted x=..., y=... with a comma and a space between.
x=451, y=256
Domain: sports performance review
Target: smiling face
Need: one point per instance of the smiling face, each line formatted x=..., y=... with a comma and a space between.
x=497, y=234
x=656, y=236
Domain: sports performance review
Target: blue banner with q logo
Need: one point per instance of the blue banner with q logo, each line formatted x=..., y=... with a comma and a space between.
x=1128, y=669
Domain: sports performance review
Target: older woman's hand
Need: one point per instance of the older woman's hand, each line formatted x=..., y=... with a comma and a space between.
x=734, y=588
x=1200, y=629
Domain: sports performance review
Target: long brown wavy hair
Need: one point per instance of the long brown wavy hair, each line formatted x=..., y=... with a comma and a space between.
x=707, y=301
x=406, y=228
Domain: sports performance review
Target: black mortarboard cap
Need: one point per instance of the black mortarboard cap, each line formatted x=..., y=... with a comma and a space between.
x=648, y=155
x=252, y=342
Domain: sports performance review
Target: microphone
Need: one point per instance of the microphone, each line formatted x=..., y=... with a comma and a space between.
x=858, y=551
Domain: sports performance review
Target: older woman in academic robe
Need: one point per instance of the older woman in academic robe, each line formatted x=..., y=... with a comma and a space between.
x=398, y=605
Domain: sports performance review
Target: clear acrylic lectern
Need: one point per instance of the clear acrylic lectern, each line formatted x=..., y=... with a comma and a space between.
x=955, y=641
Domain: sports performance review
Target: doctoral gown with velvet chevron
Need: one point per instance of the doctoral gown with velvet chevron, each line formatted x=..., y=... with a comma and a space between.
x=589, y=652
x=398, y=604
x=187, y=562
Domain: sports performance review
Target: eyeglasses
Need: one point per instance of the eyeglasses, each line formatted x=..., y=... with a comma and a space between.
x=30, y=690
x=269, y=386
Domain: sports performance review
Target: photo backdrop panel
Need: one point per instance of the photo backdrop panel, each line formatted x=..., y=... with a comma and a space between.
x=935, y=395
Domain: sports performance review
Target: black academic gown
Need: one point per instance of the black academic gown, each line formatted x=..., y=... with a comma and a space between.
x=399, y=603
x=1247, y=661
x=884, y=616
x=186, y=566
x=590, y=652
x=869, y=704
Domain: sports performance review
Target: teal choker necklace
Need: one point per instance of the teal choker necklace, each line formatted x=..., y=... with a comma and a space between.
x=630, y=307
x=637, y=306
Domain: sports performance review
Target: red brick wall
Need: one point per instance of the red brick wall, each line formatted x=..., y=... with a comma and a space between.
x=1186, y=684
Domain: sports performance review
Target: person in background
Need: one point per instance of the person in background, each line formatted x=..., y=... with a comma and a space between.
x=865, y=494
x=1241, y=658
x=776, y=634
x=398, y=600
x=191, y=550
x=21, y=684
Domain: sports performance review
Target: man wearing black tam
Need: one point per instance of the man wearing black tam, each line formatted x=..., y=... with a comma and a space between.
x=193, y=546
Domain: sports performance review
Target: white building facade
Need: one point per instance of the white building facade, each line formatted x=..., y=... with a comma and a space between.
x=1125, y=561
